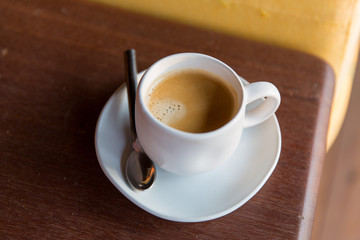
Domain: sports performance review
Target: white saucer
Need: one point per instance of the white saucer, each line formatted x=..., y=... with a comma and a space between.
x=188, y=199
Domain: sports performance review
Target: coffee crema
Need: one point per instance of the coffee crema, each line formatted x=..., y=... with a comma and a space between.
x=193, y=101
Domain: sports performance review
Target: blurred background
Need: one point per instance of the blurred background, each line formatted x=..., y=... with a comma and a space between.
x=338, y=210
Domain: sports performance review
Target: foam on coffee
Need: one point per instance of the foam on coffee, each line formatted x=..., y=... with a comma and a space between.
x=192, y=100
x=168, y=111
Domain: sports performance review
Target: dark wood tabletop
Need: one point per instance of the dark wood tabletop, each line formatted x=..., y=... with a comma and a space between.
x=59, y=63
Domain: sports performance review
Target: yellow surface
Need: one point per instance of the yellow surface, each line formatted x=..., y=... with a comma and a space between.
x=328, y=29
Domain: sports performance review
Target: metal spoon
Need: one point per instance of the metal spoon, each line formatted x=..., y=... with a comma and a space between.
x=140, y=170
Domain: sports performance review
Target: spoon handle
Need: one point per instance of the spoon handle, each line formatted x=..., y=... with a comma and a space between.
x=131, y=85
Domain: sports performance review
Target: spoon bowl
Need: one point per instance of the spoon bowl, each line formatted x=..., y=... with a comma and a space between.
x=140, y=170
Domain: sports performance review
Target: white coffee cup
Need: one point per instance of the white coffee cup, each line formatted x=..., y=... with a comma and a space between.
x=187, y=153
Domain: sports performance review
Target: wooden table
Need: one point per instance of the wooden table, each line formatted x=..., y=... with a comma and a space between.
x=59, y=63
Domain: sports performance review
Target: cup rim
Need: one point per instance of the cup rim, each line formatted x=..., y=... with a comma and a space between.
x=175, y=131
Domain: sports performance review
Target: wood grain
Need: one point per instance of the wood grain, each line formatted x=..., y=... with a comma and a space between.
x=59, y=63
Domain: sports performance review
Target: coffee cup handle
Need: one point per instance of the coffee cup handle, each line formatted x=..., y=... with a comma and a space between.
x=270, y=102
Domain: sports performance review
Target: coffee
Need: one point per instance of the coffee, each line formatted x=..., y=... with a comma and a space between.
x=193, y=101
